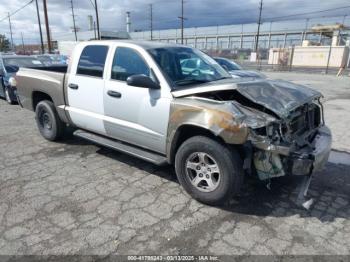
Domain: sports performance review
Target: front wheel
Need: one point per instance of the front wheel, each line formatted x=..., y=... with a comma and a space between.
x=209, y=171
x=50, y=125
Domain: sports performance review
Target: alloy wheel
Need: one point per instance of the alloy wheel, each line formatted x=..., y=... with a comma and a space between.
x=203, y=171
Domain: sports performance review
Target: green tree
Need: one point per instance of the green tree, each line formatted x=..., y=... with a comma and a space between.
x=4, y=44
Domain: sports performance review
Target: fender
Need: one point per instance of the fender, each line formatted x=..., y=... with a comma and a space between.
x=221, y=119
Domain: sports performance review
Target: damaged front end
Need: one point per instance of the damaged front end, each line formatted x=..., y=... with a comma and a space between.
x=280, y=124
x=299, y=144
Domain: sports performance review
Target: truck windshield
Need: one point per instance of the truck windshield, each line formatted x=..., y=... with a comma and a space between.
x=186, y=66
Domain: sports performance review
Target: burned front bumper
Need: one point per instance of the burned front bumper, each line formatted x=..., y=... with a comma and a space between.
x=312, y=158
x=276, y=160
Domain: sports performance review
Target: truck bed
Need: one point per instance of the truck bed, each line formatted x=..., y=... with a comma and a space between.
x=49, y=81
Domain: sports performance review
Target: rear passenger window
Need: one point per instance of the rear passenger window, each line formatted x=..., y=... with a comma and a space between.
x=92, y=60
x=127, y=62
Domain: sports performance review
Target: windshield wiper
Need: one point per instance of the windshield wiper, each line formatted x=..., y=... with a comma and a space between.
x=190, y=81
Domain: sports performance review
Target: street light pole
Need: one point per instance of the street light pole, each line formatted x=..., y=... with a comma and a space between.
x=74, y=26
x=97, y=21
x=151, y=20
x=259, y=23
x=24, y=50
x=306, y=27
x=47, y=27
x=40, y=31
x=10, y=31
x=182, y=18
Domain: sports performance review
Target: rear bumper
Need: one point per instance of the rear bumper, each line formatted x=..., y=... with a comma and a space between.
x=312, y=158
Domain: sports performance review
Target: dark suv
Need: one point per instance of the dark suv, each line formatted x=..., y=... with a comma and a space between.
x=9, y=65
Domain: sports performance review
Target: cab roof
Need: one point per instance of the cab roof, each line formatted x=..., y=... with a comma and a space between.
x=144, y=44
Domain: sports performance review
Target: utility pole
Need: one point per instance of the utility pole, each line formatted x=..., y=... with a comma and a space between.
x=74, y=27
x=97, y=21
x=128, y=23
x=344, y=18
x=151, y=20
x=10, y=31
x=306, y=26
x=41, y=33
x=95, y=30
x=259, y=23
x=24, y=51
x=182, y=18
x=47, y=27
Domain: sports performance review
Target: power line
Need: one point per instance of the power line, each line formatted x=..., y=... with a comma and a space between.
x=92, y=4
x=212, y=15
x=309, y=13
x=215, y=15
x=16, y=11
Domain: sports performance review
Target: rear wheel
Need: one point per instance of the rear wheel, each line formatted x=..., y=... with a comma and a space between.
x=209, y=171
x=50, y=125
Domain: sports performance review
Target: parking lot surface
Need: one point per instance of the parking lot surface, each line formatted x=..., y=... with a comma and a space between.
x=77, y=198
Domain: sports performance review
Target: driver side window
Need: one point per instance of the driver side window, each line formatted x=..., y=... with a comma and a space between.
x=127, y=62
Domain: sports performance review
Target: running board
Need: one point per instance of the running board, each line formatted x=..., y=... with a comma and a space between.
x=122, y=147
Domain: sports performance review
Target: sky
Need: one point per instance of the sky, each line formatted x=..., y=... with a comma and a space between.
x=165, y=13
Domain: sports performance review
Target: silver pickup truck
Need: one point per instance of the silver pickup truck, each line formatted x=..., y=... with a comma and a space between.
x=138, y=98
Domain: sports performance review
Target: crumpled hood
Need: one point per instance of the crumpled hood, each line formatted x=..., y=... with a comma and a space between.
x=279, y=96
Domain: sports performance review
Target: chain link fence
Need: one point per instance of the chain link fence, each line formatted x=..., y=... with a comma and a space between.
x=326, y=61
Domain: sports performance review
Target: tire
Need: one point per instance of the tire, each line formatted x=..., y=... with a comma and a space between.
x=49, y=124
x=220, y=182
x=7, y=96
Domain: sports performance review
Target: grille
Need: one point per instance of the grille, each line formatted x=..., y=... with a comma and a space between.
x=307, y=118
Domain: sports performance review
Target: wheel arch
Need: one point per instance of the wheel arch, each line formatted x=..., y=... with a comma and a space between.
x=38, y=96
x=185, y=132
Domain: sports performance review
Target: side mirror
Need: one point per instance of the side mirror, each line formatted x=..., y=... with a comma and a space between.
x=2, y=72
x=142, y=81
